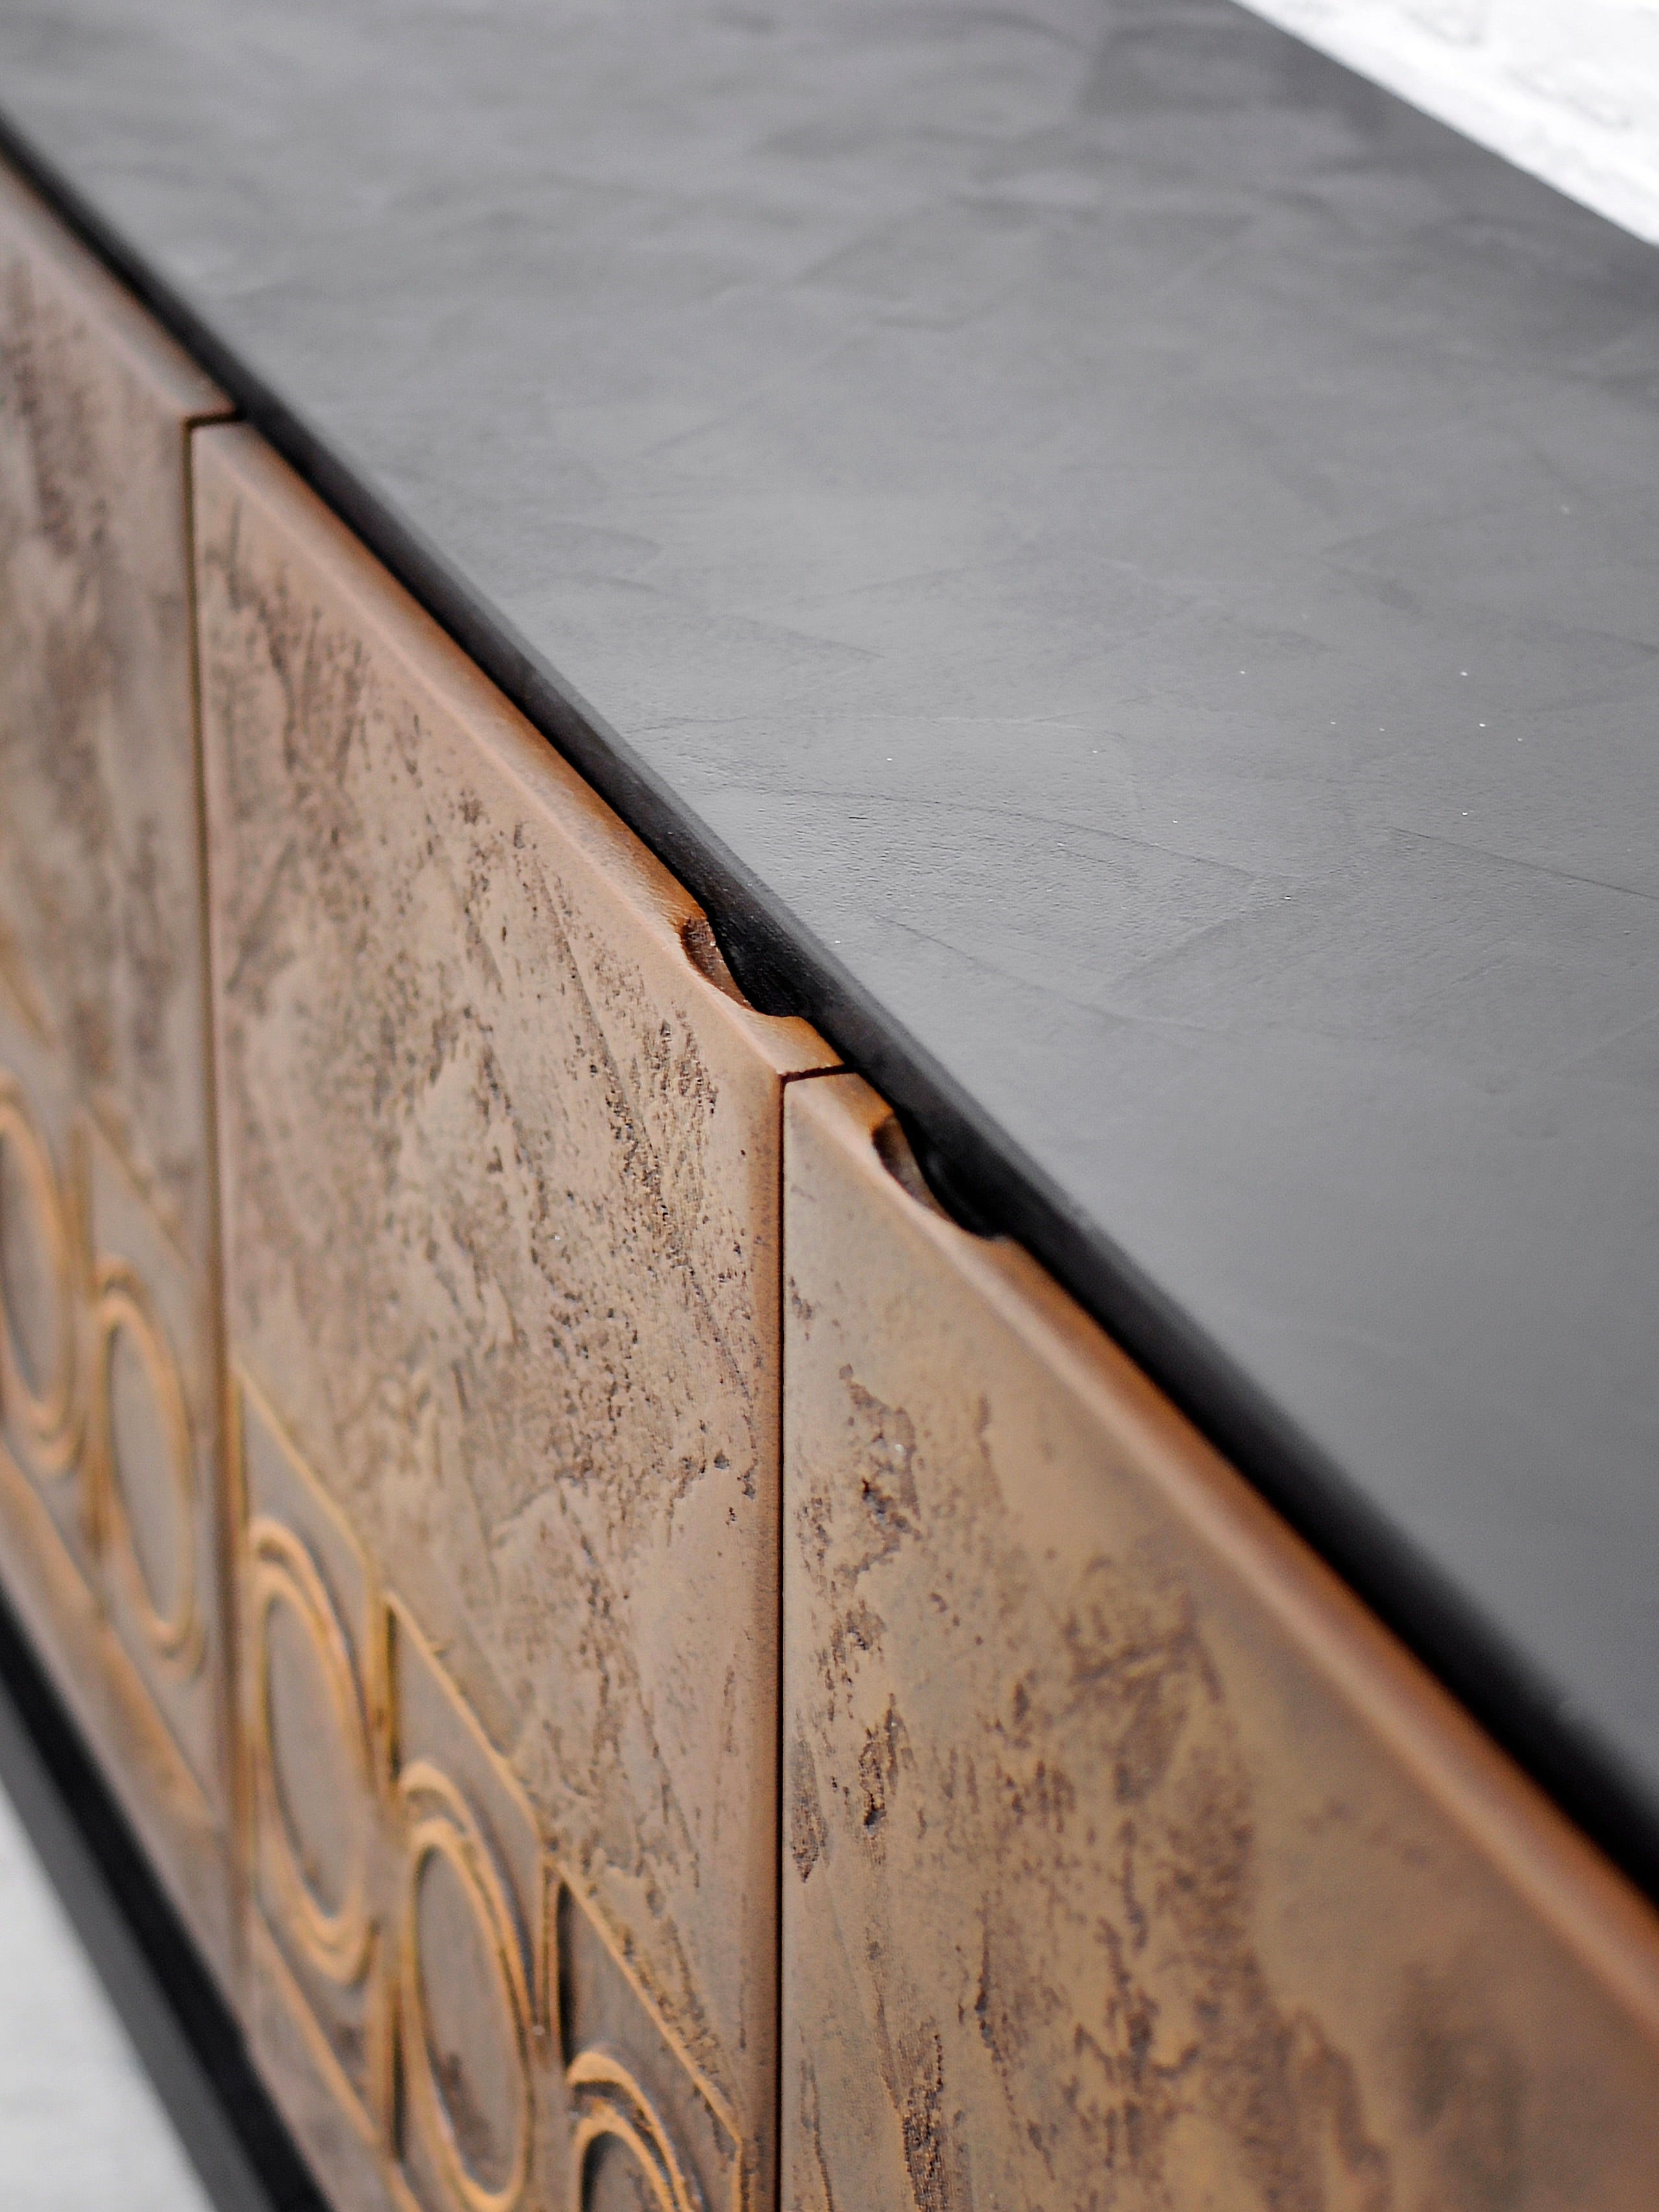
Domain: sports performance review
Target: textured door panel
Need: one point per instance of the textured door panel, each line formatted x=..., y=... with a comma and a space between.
x=111, y=1523
x=500, y=1162
x=1126, y=1862
x=313, y=1714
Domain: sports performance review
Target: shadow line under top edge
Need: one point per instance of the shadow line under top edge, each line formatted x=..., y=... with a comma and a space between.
x=1443, y=976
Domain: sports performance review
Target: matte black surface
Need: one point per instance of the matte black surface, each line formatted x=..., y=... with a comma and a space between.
x=1120, y=563
x=170, y=2005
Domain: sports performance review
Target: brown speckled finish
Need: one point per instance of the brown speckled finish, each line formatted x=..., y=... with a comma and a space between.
x=1126, y=1862
x=111, y=1526
x=100, y=894
x=501, y=1161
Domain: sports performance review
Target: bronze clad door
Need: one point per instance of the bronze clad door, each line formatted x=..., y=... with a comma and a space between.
x=112, y=1528
x=1126, y=1862
x=501, y=1161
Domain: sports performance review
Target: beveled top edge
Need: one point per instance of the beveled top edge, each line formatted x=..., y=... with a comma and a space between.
x=1382, y=266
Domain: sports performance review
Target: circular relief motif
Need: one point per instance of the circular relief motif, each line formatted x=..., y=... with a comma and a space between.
x=146, y=1476
x=37, y=1287
x=312, y=1772
x=463, y=2005
x=622, y=2154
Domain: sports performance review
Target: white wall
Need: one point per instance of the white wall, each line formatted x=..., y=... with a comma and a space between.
x=1569, y=89
x=81, y=2127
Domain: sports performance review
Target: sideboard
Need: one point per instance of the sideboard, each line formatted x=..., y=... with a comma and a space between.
x=666, y=1650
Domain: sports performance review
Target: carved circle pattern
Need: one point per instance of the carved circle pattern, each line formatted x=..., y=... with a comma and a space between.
x=283, y=1573
x=439, y=1824
x=44, y=1404
x=123, y=1304
x=614, y=2108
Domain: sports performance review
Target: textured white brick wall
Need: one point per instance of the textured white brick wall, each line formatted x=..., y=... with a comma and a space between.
x=1568, y=89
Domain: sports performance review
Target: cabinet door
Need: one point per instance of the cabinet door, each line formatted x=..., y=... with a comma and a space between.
x=111, y=1535
x=1127, y=1863
x=501, y=1157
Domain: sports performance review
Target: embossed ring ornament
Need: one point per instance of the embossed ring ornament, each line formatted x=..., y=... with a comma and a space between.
x=46, y=1408
x=121, y=1302
x=282, y=1572
x=614, y=2108
x=439, y=1826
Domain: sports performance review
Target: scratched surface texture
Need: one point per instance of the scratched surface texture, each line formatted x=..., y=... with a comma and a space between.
x=109, y=1378
x=1127, y=1864
x=500, y=1168
x=100, y=912
x=1139, y=547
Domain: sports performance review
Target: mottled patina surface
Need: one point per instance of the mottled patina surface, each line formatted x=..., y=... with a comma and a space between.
x=1138, y=556
x=500, y=1164
x=110, y=1522
x=101, y=945
x=1127, y=1864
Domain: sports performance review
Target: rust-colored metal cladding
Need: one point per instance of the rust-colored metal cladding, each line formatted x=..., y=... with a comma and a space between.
x=500, y=1147
x=314, y=1735
x=1127, y=1863
x=110, y=1520
x=449, y=2026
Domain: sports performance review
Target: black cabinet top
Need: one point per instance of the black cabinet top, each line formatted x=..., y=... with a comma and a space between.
x=1124, y=565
